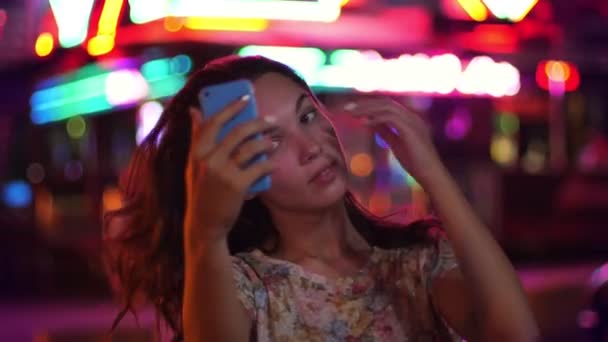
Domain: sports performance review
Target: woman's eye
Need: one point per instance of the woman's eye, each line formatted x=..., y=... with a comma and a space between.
x=308, y=117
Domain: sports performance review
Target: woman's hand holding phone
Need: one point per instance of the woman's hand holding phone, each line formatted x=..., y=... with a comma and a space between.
x=217, y=175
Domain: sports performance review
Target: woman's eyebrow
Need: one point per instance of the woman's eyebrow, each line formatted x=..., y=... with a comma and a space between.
x=300, y=101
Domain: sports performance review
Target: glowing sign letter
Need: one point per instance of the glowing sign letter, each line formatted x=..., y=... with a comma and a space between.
x=72, y=19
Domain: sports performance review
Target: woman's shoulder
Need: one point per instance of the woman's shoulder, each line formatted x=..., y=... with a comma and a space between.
x=257, y=262
x=430, y=255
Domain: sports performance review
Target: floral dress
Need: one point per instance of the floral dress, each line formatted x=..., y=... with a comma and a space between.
x=287, y=303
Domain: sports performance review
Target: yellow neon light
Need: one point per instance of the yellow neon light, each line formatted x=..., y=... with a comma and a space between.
x=226, y=24
x=44, y=44
x=103, y=42
x=100, y=45
x=475, y=9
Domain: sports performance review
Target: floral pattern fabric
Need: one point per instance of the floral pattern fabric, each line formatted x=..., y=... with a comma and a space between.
x=288, y=303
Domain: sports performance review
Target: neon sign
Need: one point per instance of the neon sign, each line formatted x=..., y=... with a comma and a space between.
x=368, y=71
x=513, y=10
x=143, y=11
x=72, y=19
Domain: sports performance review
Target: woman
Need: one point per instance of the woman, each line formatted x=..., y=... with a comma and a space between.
x=302, y=261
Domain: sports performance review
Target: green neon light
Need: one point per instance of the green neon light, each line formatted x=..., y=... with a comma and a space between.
x=84, y=91
x=340, y=57
x=89, y=105
x=305, y=61
x=66, y=94
x=165, y=87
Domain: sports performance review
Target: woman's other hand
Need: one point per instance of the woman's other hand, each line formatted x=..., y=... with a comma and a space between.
x=405, y=131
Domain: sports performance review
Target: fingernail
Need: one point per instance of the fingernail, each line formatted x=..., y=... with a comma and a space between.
x=245, y=97
x=270, y=119
x=350, y=106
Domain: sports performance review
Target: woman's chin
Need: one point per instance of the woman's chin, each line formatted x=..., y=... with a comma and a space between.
x=328, y=195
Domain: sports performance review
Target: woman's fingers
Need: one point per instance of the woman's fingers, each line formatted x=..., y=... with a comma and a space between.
x=217, y=121
x=250, y=149
x=390, y=128
x=256, y=171
x=197, y=150
x=211, y=127
x=205, y=132
x=370, y=108
x=240, y=135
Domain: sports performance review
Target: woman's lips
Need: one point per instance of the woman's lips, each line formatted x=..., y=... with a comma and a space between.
x=325, y=175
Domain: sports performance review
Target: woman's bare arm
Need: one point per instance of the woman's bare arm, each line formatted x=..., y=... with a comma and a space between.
x=486, y=298
x=211, y=308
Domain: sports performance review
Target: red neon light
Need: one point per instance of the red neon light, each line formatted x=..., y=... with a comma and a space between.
x=558, y=72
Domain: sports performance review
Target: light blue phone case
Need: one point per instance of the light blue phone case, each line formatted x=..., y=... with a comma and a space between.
x=216, y=97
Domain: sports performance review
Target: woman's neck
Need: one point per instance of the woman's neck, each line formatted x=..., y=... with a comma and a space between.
x=326, y=235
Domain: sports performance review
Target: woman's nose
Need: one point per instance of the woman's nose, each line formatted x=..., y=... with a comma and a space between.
x=310, y=149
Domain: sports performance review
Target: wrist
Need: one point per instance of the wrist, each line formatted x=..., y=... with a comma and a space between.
x=434, y=179
x=202, y=246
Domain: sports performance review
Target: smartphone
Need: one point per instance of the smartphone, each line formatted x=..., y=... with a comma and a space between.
x=216, y=97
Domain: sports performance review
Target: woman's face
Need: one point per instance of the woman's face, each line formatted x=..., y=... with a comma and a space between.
x=310, y=170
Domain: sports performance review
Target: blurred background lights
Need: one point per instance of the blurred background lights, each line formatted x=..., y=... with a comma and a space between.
x=125, y=87
x=99, y=87
x=3, y=17
x=44, y=44
x=599, y=277
x=304, y=60
x=513, y=10
x=379, y=141
x=420, y=103
x=320, y=10
x=588, y=319
x=73, y=170
x=173, y=24
x=76, y=127
x=551, y=73
x=103, y=42
x=35, y=173
x=503, y=150
x=224, y=24
x=399, y=176
x=458, y=124
x=111, y=199
x=17, y=194
x=473, y=8
x=143, y=11
x=180, y=64
x=100, y=45
x=534, y=159
x=361, y=165
x=380, y=203
x=507, y=123
x=147, y=117
x=368, y=71
x=72, y=18
x=557, y=71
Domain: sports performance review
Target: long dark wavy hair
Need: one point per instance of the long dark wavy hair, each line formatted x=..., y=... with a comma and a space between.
x=143, y=241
